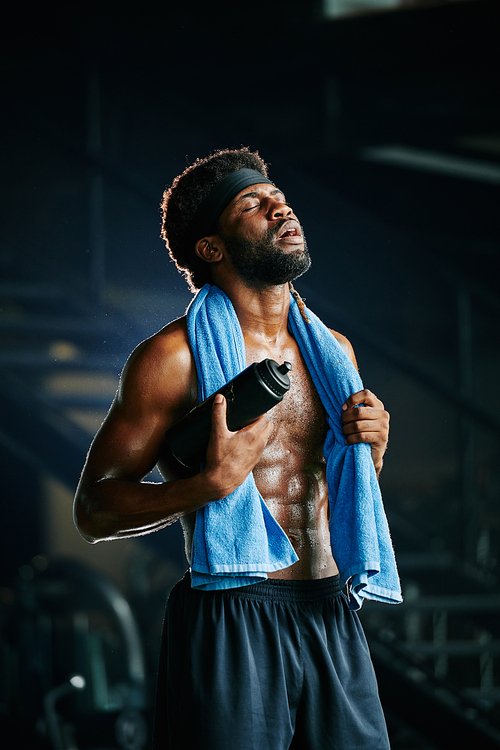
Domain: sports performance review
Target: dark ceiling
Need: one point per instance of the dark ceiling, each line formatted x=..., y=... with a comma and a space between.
x=177, y=80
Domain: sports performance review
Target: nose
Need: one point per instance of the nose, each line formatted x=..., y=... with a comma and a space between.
x=278, y=208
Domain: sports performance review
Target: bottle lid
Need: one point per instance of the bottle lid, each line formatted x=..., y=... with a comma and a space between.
x=275, y=376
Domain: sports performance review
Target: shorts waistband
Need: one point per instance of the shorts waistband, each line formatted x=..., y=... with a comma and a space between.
x=280, y=589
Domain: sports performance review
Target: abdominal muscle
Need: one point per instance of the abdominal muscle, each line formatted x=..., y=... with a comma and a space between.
x=291, y=477
x=297, y=496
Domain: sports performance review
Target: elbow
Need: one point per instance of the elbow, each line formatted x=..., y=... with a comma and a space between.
x=85, y=521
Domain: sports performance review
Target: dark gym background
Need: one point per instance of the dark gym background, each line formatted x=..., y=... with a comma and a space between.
x=381, y=122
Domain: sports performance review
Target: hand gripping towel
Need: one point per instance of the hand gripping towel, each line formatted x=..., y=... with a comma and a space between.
x=237, y=540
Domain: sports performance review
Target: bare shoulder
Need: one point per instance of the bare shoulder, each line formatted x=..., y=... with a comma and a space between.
x=346, y=346
x=162, y=363
x=157, y=386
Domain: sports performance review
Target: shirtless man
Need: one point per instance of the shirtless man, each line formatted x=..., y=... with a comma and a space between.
x=247, y=684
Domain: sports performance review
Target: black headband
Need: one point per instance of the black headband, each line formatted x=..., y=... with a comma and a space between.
x=221, y=196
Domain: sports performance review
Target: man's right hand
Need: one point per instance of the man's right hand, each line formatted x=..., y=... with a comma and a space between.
x=231, y=456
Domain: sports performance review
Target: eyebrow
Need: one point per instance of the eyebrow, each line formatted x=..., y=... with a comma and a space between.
x=255, y=194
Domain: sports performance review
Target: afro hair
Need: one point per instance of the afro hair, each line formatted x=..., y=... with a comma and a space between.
x=182, y=200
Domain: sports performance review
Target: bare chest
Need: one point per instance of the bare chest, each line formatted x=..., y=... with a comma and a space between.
x=299, y=420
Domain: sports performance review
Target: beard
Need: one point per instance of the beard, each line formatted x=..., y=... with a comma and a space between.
x=260, y=263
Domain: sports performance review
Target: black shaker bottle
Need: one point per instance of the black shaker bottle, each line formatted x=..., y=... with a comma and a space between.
x=249, y=395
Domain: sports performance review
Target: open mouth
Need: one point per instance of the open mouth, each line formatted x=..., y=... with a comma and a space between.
x=290, y=231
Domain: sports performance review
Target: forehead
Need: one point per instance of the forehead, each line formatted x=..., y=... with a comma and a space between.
x=261, y=189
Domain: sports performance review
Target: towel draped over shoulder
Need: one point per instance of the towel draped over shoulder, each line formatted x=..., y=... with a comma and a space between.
x=236, y=540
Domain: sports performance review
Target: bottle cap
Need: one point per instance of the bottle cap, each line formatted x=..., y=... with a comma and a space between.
x=275, y=376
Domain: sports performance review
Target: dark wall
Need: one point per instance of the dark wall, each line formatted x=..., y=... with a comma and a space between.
x=131, y=94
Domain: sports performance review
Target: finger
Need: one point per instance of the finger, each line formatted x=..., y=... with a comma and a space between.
x=365, y=397
x=219, y=421
x=372, y=438
x=365, y=425
x=264, y=421
x=261, y=428
x=360, y=413
x=219, y=408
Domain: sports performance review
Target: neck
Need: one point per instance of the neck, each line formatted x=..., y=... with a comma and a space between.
x=262, y=313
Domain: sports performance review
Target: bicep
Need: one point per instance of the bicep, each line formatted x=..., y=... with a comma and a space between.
x=126, y=446
x=155, y=391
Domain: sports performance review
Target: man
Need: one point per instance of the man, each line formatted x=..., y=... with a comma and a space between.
x=280, y=663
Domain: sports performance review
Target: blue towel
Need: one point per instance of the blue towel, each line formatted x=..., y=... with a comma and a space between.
x=236, y=540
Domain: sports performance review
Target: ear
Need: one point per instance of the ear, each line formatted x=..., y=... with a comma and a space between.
x=209, y=249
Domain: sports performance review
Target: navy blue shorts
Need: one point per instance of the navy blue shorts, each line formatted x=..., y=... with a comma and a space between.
x=277, y=665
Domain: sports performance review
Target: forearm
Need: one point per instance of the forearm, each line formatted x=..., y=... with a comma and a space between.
x=112, y=507
x=115, y=508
